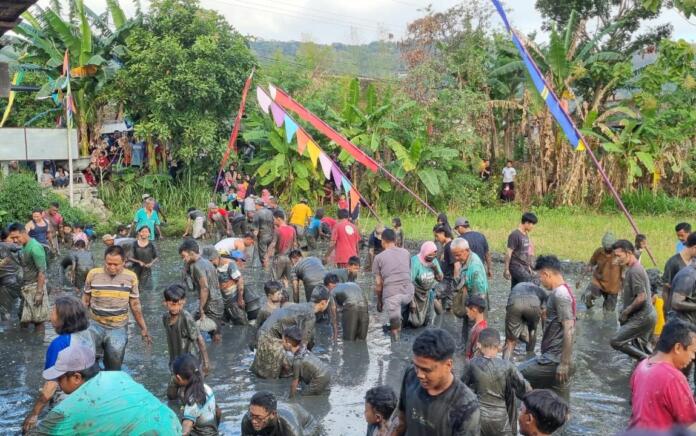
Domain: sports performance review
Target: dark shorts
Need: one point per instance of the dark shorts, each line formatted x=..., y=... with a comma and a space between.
x=281, y=267
x=541, y=374
x=593, y=292
x=355, y=322
x=521, y=316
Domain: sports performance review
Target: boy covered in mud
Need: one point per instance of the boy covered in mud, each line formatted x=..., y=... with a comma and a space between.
x=380, y=403
x=306, y=367
x=495, y=382
x=182, y=332
x=350, y=272
x=355, y=318
x=274, y=300
x=77, y=264
x=271, y=360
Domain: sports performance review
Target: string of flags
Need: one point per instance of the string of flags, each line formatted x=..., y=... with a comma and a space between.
x=304, y=141
x=545, y=90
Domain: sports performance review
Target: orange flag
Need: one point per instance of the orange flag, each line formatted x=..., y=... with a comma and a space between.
x=354, y=199
x=302, y=139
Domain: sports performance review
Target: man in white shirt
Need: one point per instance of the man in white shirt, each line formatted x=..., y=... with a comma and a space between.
x=509, y=174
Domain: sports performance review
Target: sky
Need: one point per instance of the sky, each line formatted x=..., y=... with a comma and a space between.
x=358, y=21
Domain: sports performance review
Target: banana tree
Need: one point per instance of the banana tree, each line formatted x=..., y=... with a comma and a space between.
x=93, y=51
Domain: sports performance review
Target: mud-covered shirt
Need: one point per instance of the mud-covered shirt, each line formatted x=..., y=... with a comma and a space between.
x=202, y=415
x=263, y=221
x=559, y=307
x=636, y=282
x=350, y=295
x=307, y=367
x=684, y=283
x=310, y=270
x=301, y=315
x=203, y=269
x=454, y=412
x=182, y=335
x=293, y=420
x=528, y=291
x=607, y=273
x=520, y=259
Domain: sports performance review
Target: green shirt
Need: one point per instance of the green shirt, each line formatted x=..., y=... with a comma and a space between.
x=33, y=261
x=110, y=403
x=473, y=276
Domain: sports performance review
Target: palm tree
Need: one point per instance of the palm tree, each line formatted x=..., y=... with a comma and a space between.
x=93, y=45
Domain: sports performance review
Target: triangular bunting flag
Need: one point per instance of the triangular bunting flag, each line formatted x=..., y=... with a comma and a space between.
x=336, y=173
x=272, y=90
x=263, y=99
x=290, y=128
x=346, y=185
x=326, y=165
x=302, y=139
x=278, y=114
x=313, y=152
x=354, y=199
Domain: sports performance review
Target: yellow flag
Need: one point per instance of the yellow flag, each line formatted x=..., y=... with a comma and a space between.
x=313, y=152
x=6, y=115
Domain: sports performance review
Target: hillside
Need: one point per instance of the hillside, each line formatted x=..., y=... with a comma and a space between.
x=377, y=59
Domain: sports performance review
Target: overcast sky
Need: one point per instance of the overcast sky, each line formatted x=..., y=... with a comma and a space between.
x=357, y=21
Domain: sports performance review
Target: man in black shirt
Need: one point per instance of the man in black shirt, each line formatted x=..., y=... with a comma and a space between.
x=444, y=237
x=432, y=401
x=637, y=319
x=675, y=264
x=477, y=243
x=520, y=251
x=266, y=417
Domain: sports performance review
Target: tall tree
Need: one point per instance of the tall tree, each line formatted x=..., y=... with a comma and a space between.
x=183, y=76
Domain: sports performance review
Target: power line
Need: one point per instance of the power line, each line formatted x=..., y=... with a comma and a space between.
x=295, y=14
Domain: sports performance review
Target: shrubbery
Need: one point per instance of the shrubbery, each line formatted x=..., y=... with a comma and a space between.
x=20, y=193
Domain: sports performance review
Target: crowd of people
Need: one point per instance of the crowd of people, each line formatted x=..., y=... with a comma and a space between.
x=495, y=394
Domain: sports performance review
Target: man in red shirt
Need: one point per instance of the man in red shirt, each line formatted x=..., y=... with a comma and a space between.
x=283, y=241
x=345, y=239
x=661, y=395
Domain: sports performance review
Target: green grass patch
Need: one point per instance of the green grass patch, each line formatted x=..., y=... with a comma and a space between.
x=571, y=234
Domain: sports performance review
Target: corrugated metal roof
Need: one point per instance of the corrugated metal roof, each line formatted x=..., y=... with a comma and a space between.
x=10, y=12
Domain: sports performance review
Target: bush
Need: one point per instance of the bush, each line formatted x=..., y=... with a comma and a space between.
x=643, y=201
x=20, y=193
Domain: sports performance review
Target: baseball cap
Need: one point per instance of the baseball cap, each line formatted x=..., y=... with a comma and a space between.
x=237, y=255
x=209, y=252
x=67, y=354
x=211, y=205
x=461, y=221
x=259, y=202
x=108, y=237
x=304, y=200
x=146, y=196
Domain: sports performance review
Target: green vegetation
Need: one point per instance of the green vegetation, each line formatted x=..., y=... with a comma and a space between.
x=20, y=193
x=177, y=71
x=569, y=233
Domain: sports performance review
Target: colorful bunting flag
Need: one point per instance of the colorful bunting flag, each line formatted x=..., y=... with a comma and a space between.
x=263, y=99
x=326, y=164
x=552, y=101
x=313, y=152
x=302, y=139
x=346, y=184
x=336, y=173
x=290, y=128
x=278, y=114
x=354, y=199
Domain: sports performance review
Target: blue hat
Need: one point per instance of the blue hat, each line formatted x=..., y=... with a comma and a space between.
x=238, y=255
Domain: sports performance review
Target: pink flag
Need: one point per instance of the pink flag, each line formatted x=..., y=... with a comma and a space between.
x=336, y=173
x=263, y=99
x=326, y=165
x=278, y=114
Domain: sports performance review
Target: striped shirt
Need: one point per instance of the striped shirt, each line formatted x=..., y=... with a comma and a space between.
x=110, y=296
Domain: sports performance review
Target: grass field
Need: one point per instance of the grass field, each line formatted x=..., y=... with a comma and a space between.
x=569, y=234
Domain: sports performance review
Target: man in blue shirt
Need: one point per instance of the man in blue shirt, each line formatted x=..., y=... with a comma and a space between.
x=147, y=215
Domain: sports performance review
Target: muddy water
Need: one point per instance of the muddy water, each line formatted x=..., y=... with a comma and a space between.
x=599, y=393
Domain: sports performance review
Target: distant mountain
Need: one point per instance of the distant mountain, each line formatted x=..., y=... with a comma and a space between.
x=377, y=59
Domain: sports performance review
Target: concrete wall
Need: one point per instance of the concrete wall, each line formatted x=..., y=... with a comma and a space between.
x=36, y=144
